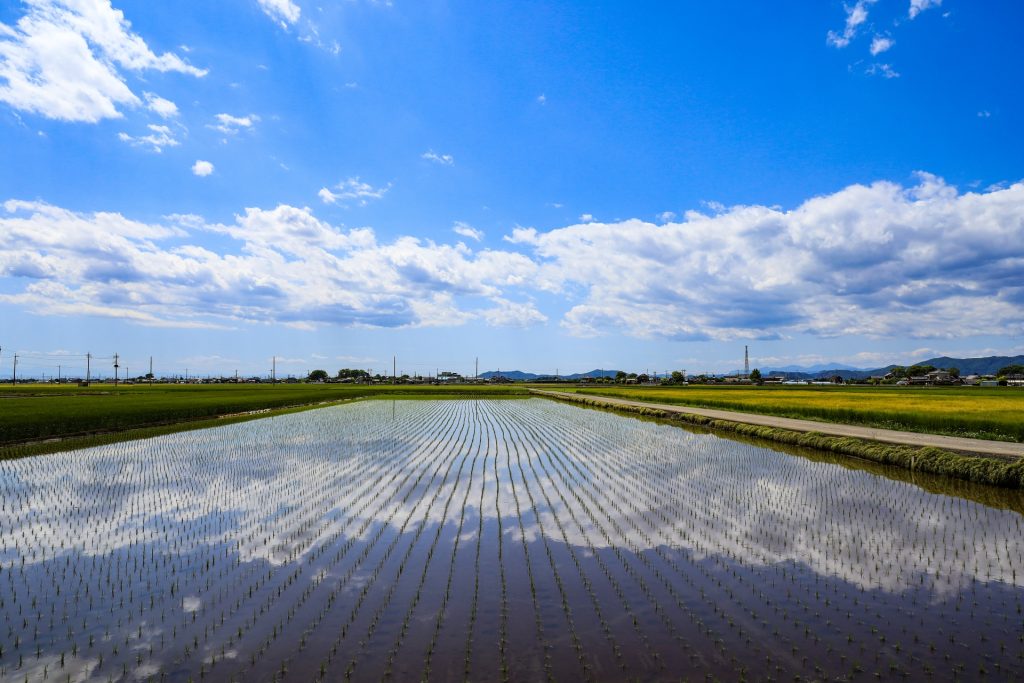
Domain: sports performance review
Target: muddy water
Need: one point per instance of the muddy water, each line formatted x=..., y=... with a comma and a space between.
x=495, y=540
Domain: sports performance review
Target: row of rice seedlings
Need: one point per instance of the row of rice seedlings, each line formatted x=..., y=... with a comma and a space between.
x=585, y=665
x=632, y=562
x=372, y=492
x=541, y=639
x=442, y=610
x=437, y=459
x=116, y=570
x=608, y=486
x=443, y=518
x=531, y=445
x=490, y=452
x=448, y=462
x=368, y=494
x=239, y=547
x=721, y=498
x=609, y=576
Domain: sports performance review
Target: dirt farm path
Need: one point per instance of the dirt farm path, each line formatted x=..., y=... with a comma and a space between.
x=951, y=443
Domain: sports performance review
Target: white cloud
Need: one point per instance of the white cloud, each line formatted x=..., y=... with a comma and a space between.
x=666, y=216
x=202, y=168
x=879, y=260
x=159, y=137
x=353, y=188
x=883, y=70
x=285, y=12
x=64, y=59
x=856, y=14
x=443, y=159
x=163, y=108
x=918, y=6
x=880, y=44
x=467, y=230
x=230, y=125
x=542, y=99
x=984, y=114
x=586, y=218
x=288, y=267
x=511, y=314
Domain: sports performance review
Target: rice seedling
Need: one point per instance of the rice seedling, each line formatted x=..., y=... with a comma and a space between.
x=494, y=540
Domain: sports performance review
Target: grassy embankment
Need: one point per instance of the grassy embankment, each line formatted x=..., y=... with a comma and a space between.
x=976, y=469
x=995, y=413
x=36, y=419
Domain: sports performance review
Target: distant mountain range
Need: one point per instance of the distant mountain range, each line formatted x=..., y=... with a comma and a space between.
x=968, y=366
x=988, y=365
x=814, y=368
x=519, y=376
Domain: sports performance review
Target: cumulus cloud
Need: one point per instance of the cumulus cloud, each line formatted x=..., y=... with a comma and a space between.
x=289, y=267
x=65, y=60
x=918, y=6
x=161, y=107
x=880, y=44
x=882, y=260
x=284, y=12
x=443, y=159
x=856, y=15
x=511, y=314
x=158, y=137
x=202, y=168
x=230, y=125
x=467, y=230
x=352, y=189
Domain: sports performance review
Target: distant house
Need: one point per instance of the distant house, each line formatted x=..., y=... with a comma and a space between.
x=933, y=378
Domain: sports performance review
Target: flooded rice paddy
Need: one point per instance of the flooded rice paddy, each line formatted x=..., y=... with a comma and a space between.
x=492, y=540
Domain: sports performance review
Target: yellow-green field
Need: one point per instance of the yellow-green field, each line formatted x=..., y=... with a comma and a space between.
x=986, y=413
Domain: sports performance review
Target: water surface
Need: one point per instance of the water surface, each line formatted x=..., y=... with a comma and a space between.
x=493, y=540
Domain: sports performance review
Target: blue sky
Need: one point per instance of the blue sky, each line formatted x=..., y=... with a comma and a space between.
x=545, y=186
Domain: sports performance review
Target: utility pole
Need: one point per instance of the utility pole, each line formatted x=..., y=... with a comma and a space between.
x=746, y=361
x=151, y=370
x=273, y=371
x=58, y=374
x=88, y=367
x=476, y=370
x=14, y=373
x=116, y=366
x=394, y=373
